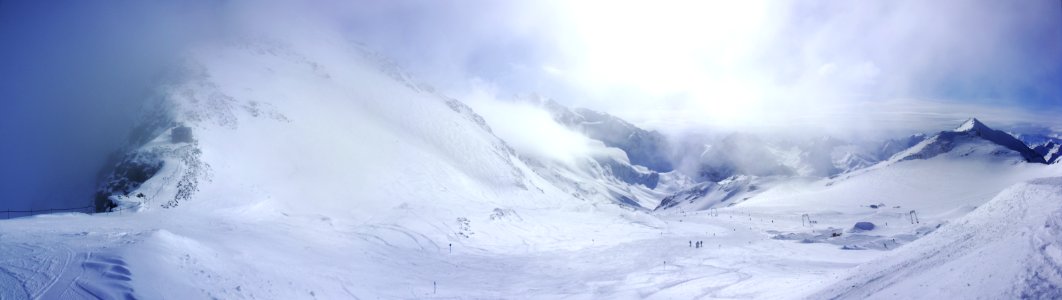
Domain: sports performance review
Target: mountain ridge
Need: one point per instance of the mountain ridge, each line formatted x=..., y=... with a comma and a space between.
x=968, y=134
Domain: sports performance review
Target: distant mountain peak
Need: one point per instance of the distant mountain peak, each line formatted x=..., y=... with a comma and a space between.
x=972, y=124
x=968, y=135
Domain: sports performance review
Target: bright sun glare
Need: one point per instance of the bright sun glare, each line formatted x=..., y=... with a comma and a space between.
x=690, y=49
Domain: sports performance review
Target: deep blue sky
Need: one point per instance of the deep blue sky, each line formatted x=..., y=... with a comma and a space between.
x=72, y=78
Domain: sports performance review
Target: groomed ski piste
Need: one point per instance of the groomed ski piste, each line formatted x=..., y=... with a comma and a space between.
x=320, y=173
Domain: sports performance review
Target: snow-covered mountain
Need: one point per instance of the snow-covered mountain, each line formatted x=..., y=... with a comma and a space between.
x=1051, y=151
x=972, y=138
x=709, y=194
x=643, y=147
x=752, y=155
x=1042, y=136
x=741, y=165
x=278, y=169
x=331, y=139
x=755, y=155
x=608, y=178
x=749, y=166
x=611, y=160
x=1047, y=146
x=337, y=130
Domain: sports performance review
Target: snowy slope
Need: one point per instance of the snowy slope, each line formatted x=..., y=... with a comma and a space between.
x=335, y=130
x=905, y=201
x=939, y=188
x=311, y=108
x=603, y=180
x=573, y=160
x=325, y=154
x=1008, y=248
x=518, y=245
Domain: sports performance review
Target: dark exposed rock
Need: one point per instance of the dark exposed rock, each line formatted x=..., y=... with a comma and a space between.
x=181, y=134
x=126, y=177
x=140, y=160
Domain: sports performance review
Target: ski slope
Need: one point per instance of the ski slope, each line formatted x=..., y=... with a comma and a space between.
x=257, y=252
x=1008, y=248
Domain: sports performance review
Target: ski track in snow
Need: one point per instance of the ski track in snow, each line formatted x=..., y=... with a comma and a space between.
x=316, y=256
x=29, y=268
x=630, y=268
x=41, y=267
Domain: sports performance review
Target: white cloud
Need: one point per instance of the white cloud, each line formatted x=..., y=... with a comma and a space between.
x=529, y=129
x=863, y=119
x=728, y=65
